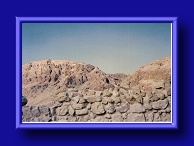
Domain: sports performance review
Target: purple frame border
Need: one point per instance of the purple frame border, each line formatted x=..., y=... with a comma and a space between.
x=173, y=125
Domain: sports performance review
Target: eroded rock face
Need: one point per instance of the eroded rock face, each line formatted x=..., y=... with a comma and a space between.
x=77, y=92
x=50, y=76
x=157, y=71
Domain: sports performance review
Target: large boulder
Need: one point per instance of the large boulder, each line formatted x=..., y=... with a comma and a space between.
x=71, y=110
x=161, y=104
x=149, y=115
x=63, y=99
x=135, y=117
x=93, y=98
x=45, y=110
x=77, y=106
x=26, y=112
x=97, y=108
x=81, y=112
x=116, y=117
x=137, y=108
x=110, y=108
x=123, y=108
x=62, y=111
x=35, y=111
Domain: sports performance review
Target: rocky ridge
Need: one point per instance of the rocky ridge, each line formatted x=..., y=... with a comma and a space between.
x=64, y=91
x=159, y=70
x=44, y=78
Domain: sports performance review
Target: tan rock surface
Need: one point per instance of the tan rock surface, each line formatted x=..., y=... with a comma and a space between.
x=42, y=80
x=159, y=70
x=66, y=91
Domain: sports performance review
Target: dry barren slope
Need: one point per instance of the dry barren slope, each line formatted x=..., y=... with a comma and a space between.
x=41, y=79
x=159, y=70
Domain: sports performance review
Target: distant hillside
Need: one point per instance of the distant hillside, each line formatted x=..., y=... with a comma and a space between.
x=42, y=80
x=159, y=70
x=65, y=91
x=45, y=77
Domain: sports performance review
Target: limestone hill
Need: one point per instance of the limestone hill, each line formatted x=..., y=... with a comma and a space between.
x=41, y=80
x=66, y=91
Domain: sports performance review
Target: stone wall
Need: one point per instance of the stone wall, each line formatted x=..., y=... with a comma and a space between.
x=137, y=104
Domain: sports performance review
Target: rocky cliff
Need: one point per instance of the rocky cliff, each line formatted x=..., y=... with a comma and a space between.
x=41, y=80
x=64, y=91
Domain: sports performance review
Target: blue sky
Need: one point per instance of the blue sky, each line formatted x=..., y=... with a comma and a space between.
x=113, y=47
